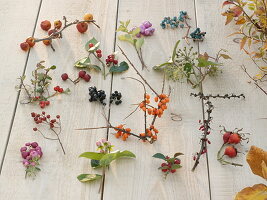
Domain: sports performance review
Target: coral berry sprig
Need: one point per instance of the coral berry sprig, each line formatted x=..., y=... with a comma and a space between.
x=230, y=140
x=170, y=165
x=92, y=47
x=38, y=91
x=81, y=75
x=57, y=31
x=31, y=154
x=53, y=125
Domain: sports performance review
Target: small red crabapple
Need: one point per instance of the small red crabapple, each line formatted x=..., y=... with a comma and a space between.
x=45, y=25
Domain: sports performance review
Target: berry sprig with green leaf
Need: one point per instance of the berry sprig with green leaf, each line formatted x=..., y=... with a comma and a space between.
x=230, y=140
x=38, y=90
x=170, y=164
x=133, y=36
x=185, y=64
x=92, y=47
x=102, y=159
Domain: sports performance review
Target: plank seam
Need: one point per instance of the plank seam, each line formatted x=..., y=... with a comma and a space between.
x=203, y=106
x=18, y=94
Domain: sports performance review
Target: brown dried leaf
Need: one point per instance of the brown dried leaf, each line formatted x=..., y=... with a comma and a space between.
x=255, y=157
x=243, y=42
x=256, y=192
x=229, y=18
x=241, y=20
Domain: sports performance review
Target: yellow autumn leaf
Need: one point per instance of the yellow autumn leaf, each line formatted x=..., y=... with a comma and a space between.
x=243, y=42
x=256, y=192
x=255, y=157
x=264, y=169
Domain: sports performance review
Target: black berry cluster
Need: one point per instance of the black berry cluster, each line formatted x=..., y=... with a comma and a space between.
x=115, y=97
x=97, y=95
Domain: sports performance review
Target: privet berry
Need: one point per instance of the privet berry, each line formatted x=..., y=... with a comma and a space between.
x=97, y=95
x=116, y=97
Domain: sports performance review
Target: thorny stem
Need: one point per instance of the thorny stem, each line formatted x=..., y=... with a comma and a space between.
x=224, y=162
x=138, y=73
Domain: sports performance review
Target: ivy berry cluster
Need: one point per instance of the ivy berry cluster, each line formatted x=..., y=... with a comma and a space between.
x=116, y=97
x=31, y=154
x=97, y=95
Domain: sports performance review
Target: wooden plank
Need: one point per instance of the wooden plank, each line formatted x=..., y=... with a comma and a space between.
x=226, y=181
x=57, y=180
x=140, y=178
x=17, y=19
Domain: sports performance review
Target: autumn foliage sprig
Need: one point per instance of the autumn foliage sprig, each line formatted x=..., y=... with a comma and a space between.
x=38, y=90
x=57, y=31
x=54, y=125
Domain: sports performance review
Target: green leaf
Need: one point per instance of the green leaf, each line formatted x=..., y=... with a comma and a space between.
x=108, y=158
x=95, y=163
x=177, y=154
x=175, y=166
x=174, y=50
x=96, y=67
x=159, y=155
x=82, y=63
x=92, y=155
x=127, y=38
x=139, y=42
x=93, y=41
x=225, y=56
x=188, y=67
x=205, y=63
x=118, y=69
x=53, y=67
x=88, y=177
x=66, y=91
x=159, y=67
x=135, y=31
x=122, y=28
x=127, y=22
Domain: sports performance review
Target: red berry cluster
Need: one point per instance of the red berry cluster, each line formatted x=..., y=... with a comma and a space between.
x=166, y=167
x=59, y=89
x=81, y=74
x=43, y=104
x=111, y=60
x=98, y=51
x=43, y=118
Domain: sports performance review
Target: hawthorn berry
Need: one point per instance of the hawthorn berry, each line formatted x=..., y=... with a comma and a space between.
x=45, y=25
x=82, y=27
x=87, y=77
x=230, y=151
x=24, y=46
x=64, y=76
x=30, y=41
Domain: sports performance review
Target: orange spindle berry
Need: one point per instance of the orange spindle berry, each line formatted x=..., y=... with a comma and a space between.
x=157, y=112
x=147, y=96
x=152, y=127
x=163, y=101
x=154, y=137
x=156, y=99
x=120, y=126
x=141, y=105
x=164, y=96
x=164, y=107
x=149, y=111
x=128, y=130
x=117, y=135
x=149, y=133
x=155, y=130
x=142, y=134
x=159, y=115
x=159, y=104
x=160, y=111
x=167, y=99
x=144, y=109
x=147, y=101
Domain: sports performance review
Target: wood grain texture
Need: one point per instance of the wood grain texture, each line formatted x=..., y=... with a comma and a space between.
x=140, y=178
x=17, y=19
x=57, y=180
x=226, y=181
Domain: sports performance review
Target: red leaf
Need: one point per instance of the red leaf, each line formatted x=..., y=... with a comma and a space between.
x=227, y=3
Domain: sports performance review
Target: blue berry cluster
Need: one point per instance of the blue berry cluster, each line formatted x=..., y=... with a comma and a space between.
x=174, y=22
x=197, y=34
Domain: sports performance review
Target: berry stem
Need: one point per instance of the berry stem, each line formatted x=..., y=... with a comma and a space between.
x=103, y=64
x=59, y=141
x=140, y=56
x=224, y=162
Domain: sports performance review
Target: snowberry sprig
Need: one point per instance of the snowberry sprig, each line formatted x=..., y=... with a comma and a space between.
x=56, y=32
x=38, y=91
x=170, y=164
x=31, y=154
x=230, y=140
x=54, y=125
x=81, y=75
x=92, y=47
x=133, y=36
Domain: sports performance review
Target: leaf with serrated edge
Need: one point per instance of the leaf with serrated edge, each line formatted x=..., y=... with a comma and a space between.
x=88, y=177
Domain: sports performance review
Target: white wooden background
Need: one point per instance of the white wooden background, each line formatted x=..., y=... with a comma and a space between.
x=133, y=179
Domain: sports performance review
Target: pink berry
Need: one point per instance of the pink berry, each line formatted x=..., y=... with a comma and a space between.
x=24, y=154
x=23, y=149
x=34, y=144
